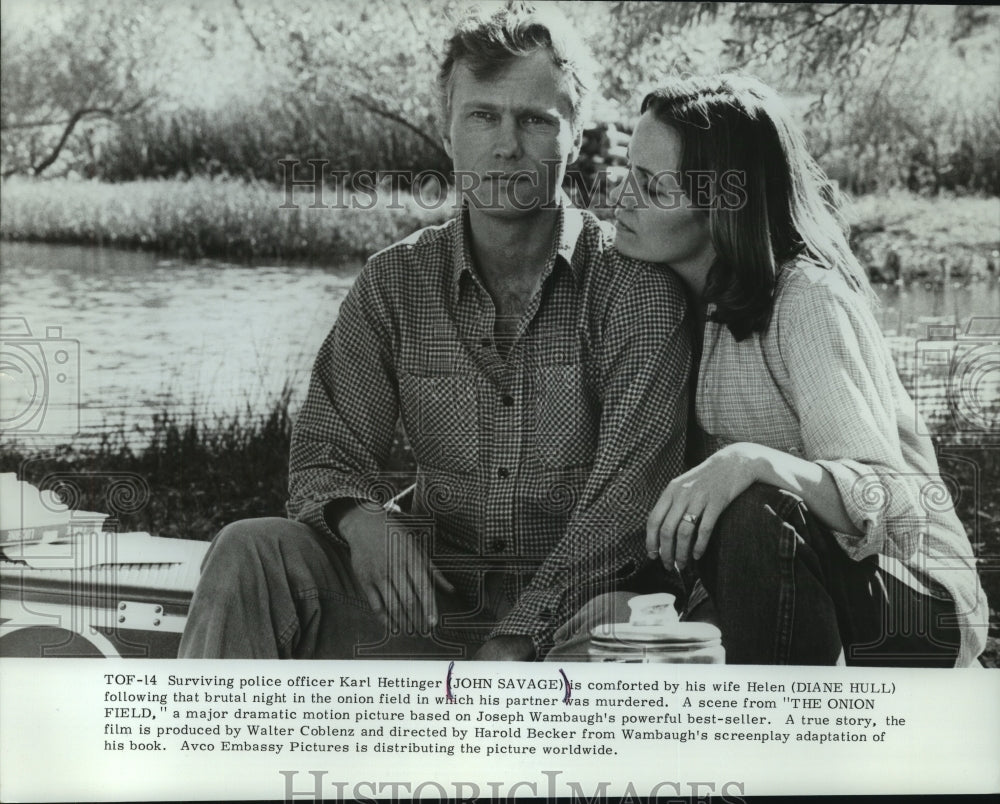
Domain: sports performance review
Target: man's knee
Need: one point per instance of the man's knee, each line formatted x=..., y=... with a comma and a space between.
x=262, y=539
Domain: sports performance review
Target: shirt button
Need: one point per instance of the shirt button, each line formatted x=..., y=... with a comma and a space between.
x=507, y=400
x=503, y=472
x=498, y=545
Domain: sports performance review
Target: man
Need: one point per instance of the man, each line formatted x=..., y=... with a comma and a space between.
x=541, y=379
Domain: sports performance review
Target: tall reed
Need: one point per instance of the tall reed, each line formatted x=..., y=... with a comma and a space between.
x=219, y=217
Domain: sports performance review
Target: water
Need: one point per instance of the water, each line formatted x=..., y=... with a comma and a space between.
x=154, y=334
x=912, y=311
x=945, y=341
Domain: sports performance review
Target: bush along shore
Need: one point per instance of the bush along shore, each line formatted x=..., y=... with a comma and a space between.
x=900, y=237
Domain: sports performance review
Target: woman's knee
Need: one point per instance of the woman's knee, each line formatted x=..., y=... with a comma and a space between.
x=753, y=516
x=753, y=539
x=758, y=500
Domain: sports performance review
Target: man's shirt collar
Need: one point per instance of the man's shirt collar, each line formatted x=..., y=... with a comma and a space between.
x=569, y=230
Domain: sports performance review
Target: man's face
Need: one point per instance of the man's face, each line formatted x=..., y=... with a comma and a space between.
x=512, y=135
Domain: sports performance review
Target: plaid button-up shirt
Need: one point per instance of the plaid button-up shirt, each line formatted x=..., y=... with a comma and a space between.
x=542, y=463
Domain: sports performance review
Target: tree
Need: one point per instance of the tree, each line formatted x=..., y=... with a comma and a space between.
x=637, y=43
x=77, y=64
x=890, y=94
x=377, y=58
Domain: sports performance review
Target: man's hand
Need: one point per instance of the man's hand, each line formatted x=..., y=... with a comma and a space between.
x=398, y=578
x=506, y=649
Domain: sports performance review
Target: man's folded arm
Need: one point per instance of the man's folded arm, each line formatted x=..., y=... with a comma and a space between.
x=646, y=360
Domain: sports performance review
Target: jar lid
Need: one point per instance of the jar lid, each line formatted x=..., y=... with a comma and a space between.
x=672, y=634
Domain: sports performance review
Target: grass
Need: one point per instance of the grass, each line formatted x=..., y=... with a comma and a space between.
x=200, y=474
x=205, y=217
x=247, y=138
x=914, y=236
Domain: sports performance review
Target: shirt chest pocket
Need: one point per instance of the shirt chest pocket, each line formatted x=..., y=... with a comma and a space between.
x=441, y=417
x=567, y=418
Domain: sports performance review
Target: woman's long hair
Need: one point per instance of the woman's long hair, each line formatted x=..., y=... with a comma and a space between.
x=739, y=133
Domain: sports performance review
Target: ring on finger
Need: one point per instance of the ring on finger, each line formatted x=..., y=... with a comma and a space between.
x=689, y=518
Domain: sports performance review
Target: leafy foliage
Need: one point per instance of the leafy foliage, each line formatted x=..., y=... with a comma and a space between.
x=892, y=95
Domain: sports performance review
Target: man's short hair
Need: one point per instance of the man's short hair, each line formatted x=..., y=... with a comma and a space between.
x=487, y=43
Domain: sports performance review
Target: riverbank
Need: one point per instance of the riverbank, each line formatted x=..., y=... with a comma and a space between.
x=204, y=217
x=905, y=237
x=200, y=472
x=899, y=236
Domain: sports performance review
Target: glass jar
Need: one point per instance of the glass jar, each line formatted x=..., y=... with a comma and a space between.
x=676, y=643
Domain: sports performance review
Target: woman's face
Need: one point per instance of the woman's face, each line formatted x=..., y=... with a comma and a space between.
x=655, y=220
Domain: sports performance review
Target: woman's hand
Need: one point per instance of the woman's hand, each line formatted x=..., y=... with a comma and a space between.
x=681, y=522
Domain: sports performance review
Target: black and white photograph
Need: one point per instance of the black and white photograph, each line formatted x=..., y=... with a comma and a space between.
x=494, y=356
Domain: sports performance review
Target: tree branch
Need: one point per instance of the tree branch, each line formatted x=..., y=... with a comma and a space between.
x=910, y=16
x=71, y=123
x=246, y=26
x=374, y=108
x=67, y=131
x=822, y=18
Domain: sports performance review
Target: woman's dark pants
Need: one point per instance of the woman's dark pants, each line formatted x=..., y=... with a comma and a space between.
x=784, y=592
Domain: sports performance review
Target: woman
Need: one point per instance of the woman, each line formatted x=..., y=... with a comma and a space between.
x=818, y=523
